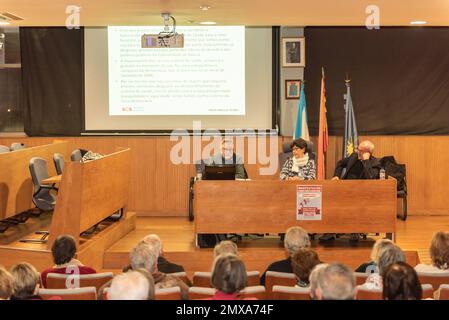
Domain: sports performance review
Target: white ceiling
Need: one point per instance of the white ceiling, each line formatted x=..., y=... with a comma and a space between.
x=229, y=12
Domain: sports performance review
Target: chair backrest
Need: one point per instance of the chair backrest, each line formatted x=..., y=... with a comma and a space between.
x=17, y=146
x=427, y=291
x=38, y=170
x=273, y=278
x=60, y=281
x=203, y=279
x=444, y=292
x=76, y=155
x=201, y=292
x=290, y=293
x=435, y=279
x=251, y=292
x=4, y=149
x=360, y=277
x=58, y=159
x=88, y=293
x=173, y=293
x=364, y=293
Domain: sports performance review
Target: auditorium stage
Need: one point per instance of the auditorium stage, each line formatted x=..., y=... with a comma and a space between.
x=177, y=234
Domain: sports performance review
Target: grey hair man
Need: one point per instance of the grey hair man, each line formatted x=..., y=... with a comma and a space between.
x=157, y=247
x=132, y=285
x=387, y=256
x=335, y=282
x=313, y=279
x=295, y=238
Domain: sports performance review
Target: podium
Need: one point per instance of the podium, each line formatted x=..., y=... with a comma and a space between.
x=348, y=206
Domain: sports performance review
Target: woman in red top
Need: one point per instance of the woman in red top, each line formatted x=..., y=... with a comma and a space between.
x=64, y=251
x=228, y=277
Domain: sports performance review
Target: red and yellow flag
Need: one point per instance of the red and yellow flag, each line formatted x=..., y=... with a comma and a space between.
x=323, y=136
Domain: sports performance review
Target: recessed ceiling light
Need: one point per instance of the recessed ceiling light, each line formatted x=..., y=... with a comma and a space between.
x=4, y=23
x=205, y=7
x=208, y=23
x=418, y=22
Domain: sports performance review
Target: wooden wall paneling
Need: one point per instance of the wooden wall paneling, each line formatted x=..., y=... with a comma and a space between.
x=154, y=190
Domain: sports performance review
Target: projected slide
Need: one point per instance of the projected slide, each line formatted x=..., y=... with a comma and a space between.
x=206, y=77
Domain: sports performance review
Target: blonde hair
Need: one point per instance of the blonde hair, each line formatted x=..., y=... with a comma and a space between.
x=6, y=284
x=26, y=278
x=439, y=250
x=225, y=246
x=378, y=246
x=296, y=238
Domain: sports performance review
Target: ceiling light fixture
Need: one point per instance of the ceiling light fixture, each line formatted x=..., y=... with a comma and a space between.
x=208, y=23
x=205, y=7
x=418, y=22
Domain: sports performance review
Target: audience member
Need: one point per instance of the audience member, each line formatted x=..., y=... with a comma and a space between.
x=313, y=279
x=387, y=256
x=143, y=257
x=295, y=239
x=228, y=277
x=401, y=282
x=25, y=282
x=335, y=282
x=64, y=252
x=6, y=284
x=303, y=262
x=371, y=266
x=163, y=264
x=132, y=285
x=225, y=246
x=439, y=254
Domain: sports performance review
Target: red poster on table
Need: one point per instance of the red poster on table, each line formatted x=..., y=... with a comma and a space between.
x=309, y=202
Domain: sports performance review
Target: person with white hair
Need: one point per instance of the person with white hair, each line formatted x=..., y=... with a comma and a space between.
x=361, y=164
x=163, y=264
x=335, y=282
x=132, y=285
x=295, y=238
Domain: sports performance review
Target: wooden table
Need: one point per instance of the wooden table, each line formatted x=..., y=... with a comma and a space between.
x=348, y=206
x=52, y=180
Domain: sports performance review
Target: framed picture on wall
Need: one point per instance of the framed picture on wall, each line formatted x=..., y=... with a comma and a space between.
x=293, y=52
x=292, y=89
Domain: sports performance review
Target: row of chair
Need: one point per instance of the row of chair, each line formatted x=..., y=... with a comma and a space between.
x=250, y=292
x=14, y=146
x=278, y=285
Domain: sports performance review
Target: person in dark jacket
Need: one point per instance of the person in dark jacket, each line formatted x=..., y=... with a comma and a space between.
x=359, y=165
x=295, y=238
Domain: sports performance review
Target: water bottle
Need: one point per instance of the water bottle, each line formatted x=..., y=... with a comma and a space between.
x=382, y=174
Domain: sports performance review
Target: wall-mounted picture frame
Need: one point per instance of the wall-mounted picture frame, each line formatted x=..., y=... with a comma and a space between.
x=292, y=89
x=293, y=52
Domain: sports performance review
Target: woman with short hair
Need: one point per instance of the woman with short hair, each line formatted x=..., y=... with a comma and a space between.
x=64, y=252
x=228, y=277
x=401, y=282
x=25, y=282
x=299, y=166
x=439, y=254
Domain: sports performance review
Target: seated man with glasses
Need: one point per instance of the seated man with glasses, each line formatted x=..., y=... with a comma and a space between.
x=228, y=156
